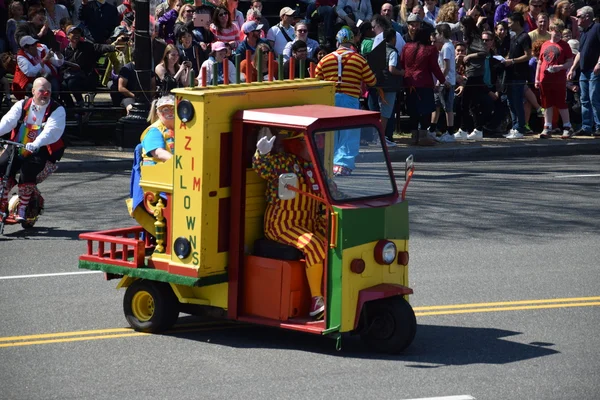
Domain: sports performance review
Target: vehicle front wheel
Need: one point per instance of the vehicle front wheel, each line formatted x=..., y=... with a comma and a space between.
x=391, y=325
x=150, y=306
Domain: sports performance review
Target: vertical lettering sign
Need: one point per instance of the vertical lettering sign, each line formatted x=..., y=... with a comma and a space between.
x=188, y=198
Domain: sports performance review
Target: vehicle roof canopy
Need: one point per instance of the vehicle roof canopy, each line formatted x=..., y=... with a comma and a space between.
x=308, y=116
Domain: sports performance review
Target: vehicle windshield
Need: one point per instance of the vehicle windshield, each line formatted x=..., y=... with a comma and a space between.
x=370, y=176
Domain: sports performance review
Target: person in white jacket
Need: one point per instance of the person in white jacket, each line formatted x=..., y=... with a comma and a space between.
x=35, y=59
x=38, y=123
x=217, y=56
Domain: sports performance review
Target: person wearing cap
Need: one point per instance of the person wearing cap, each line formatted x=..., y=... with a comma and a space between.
x=413, y=24
x=282, y=33
x=349, y=70
x=312, y=45
x=33, y=60
x=158, y=140
x=218, y=56
x=79, y=74
x=38, y=123
x=297, y=222
x=252, y=30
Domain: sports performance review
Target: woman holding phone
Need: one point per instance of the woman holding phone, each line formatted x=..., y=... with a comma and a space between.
x=170, y=73
x=190, y=50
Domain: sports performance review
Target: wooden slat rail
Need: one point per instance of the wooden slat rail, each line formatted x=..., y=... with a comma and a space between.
x=132, y=251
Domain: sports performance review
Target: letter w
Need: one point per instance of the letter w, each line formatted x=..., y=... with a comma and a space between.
x=191, y=222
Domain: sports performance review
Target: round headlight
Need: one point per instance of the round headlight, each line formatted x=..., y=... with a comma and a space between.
x=182, y=247
x=185, y=111
x=385, y=252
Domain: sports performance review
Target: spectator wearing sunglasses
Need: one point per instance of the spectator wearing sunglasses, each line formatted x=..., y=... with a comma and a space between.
x=535, y=8
x=312, y=46
x=252, y=71
x=223, y=27
x=299, y=52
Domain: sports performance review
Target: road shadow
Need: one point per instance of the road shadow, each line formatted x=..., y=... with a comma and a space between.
x=40, y=232
x=512, y=200
x=434, y=345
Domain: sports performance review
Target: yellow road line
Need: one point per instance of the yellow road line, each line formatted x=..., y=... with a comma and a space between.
x=508, y=303
x=100, y=337
x=496, y=309
x=112, y=333
x=72, y=339
x=62, y=334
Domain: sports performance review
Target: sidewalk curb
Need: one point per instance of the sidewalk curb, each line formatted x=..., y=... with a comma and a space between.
x=481, y=152
x=94, y=166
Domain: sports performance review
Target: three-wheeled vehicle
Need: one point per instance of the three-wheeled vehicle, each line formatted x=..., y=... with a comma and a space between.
x=200, y=240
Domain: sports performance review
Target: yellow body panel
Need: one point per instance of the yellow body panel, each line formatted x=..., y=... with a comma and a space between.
x=193, y=174
x=213, y=295
x=374, y=274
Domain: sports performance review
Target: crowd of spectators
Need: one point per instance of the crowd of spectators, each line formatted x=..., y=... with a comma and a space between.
x=493, y=68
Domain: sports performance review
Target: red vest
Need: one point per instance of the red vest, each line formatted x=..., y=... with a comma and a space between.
x=21, y=80
x=54, y=147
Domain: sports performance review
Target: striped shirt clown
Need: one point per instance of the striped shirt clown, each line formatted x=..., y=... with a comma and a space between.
x=349, y=70
x=299, y=222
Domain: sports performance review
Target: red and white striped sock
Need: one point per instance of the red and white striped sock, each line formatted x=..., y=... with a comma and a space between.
x=25, y=191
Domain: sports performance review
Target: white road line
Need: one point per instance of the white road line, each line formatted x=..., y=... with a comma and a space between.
x=577, y=176
x=459, y=397
x=46, y=275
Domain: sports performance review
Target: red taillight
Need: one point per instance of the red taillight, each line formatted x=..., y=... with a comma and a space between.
x=403, y=257
x=357, y=266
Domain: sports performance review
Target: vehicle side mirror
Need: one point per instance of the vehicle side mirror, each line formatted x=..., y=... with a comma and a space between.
x=285, y=181
x=408, y=166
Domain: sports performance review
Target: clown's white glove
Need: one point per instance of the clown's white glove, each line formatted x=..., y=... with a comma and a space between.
x=265, y=145
x=31, y=147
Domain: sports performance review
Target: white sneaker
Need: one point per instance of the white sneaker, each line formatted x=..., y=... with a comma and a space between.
x=509, y=133
x=515, y=134
x=475, y=135
x=446, y=138
x=390, y=143
x=461, y=135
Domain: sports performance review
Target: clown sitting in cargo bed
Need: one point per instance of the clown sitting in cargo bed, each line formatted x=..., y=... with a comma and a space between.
x=298, y=222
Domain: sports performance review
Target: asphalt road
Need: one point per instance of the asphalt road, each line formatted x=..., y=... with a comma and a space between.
x=504, y=264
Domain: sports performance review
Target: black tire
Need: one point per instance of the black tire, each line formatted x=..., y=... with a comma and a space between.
x=150, y=306
x=391, y=325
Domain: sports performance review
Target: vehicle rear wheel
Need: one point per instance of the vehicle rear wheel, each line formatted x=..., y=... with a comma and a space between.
x=391, y=325
x=150, y=306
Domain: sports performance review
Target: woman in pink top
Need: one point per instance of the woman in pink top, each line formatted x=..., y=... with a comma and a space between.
x=223, y=28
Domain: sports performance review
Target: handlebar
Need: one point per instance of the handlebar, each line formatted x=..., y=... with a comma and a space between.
x=16, y=144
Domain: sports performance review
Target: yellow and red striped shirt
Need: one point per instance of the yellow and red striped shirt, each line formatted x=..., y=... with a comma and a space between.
x=355, y=71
